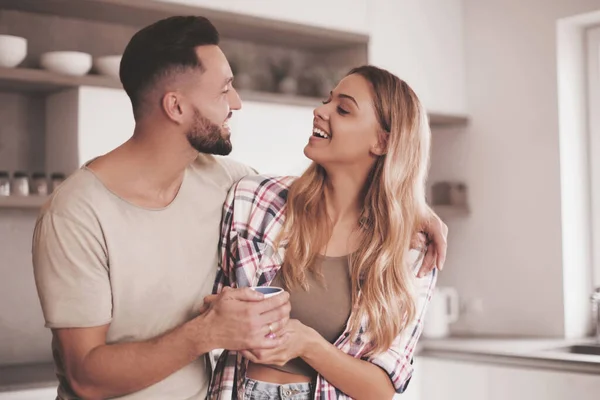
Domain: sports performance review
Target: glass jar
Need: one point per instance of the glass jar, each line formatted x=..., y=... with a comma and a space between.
x=4, y=183
x=39, y=184
x=20, y=184
x=56, y=179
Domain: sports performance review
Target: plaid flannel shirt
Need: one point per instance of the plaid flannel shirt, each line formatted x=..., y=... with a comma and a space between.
x=253, y=216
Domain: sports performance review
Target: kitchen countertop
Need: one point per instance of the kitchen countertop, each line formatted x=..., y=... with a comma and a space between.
x=27, y=376
x=527, y=353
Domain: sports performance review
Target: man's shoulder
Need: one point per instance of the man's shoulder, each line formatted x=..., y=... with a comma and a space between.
x=76, y=196
x=221, y=170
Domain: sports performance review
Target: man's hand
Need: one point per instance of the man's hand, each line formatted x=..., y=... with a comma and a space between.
x=295, y=341
x=436, y=241
x=240, y=319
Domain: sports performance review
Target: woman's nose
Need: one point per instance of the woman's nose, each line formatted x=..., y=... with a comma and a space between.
x=321, y=112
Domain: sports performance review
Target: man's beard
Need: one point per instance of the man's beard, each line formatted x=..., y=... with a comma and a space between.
x=207, y=137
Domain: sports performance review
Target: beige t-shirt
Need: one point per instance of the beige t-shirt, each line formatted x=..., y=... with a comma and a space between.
x=99, y=259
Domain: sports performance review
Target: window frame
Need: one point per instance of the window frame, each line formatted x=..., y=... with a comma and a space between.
x=593, y=112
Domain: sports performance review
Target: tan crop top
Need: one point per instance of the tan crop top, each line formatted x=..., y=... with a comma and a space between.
x=325, y=309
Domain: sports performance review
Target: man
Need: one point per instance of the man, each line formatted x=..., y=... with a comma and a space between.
x=126, y=250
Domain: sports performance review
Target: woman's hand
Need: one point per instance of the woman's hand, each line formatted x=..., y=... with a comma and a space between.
x=296, y=340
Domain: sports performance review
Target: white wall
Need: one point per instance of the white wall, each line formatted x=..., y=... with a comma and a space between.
x=270, y=138
x=333, y=14
x=508, y=252
x=105, y=121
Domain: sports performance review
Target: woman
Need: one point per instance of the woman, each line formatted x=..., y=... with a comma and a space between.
x=338, y=239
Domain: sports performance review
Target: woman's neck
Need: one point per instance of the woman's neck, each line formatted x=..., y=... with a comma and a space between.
x=343, y=196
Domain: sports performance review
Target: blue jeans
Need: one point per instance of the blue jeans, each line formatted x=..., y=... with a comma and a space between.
x=257, y=390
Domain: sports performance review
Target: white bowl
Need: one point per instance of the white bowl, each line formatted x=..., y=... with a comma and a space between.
x=13, y=50
x=108, y=65
x=73, y=63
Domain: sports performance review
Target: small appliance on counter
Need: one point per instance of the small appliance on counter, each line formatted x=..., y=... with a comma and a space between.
x=443, y=310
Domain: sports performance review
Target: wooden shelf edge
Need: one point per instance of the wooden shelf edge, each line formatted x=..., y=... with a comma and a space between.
x=22, y=202
x=40, y=80
x=29, y=79
x=448, y=211
x=447, y=120
x=278, y=98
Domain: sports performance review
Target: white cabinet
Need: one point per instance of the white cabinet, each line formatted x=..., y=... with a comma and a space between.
x=526, y=384
x=422, y=42
x=453, y=380
x=271, y=137
x=333, y=14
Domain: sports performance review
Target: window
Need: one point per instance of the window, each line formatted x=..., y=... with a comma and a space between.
x=593, y=68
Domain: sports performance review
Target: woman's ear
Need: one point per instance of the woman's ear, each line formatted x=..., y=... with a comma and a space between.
x=381, y=147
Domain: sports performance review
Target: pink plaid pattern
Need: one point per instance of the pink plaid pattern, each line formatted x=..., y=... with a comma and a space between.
x=253, y=216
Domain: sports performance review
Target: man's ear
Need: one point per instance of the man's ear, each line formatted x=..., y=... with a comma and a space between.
x=173, y=107
x=381, y=147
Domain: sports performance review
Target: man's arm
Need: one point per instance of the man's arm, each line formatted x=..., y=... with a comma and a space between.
x=73, y=281
x=97, y=371
x=436, y=242
x=235, y=319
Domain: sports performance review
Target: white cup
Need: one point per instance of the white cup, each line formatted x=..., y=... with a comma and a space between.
x=268, y=291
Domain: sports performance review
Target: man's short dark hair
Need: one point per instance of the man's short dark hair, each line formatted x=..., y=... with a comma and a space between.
x=161, y=48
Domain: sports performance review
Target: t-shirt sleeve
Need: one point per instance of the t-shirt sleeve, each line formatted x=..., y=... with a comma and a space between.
x=71, y=272
x=237, y=170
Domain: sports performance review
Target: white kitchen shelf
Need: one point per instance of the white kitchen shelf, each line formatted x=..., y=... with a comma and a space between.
x=22, y=202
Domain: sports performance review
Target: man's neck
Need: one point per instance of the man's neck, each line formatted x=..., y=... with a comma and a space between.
x=149, y=168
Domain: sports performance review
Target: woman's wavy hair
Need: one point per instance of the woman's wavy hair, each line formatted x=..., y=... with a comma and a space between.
x=394, y=206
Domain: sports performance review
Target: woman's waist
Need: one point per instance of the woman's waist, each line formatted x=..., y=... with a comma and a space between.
x=273, y=374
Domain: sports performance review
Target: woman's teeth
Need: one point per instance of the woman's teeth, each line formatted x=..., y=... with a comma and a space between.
x=319, y=133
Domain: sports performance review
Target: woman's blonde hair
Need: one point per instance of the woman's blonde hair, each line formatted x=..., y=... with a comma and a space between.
x=393, y=209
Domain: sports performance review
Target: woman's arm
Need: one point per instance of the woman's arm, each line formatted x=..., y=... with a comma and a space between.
x=376, y=377
x=357, y=378
x=381, y=375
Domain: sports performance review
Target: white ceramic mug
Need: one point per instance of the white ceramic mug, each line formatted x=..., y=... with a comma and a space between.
x=442, y=311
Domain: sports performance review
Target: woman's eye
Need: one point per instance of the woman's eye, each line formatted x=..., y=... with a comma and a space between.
x=326, y=101
x=341, y=111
